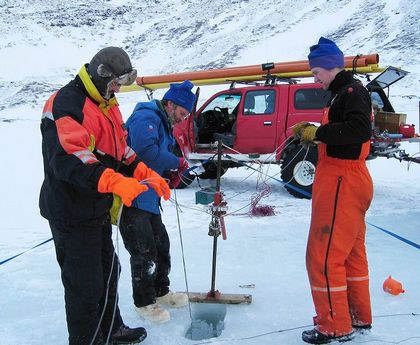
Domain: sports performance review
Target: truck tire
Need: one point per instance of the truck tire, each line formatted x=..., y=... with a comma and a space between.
x=299, y=171
x=187, y=178
x=210, y=172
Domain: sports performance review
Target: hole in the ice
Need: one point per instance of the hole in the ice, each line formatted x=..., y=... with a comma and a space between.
x=207, y=321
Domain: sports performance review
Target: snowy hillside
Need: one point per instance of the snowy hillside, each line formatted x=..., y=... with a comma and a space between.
x=42, y=46
x=44, y=43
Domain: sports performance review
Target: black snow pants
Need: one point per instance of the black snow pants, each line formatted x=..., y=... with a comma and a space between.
x=147, y=241
x=85, y=254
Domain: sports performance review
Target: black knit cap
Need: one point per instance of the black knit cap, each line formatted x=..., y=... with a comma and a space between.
x=107, y=64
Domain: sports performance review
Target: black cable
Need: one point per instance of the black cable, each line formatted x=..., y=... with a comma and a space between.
x=107, y=289
x=105, y=300
x=354, y=63
x=306, y=326
x=381, y=341
x=253, y=336
x=399, y=314
x=117, y=250
x=183, y=254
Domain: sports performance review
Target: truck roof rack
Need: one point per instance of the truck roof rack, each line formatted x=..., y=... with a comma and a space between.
x=269, y=80
x=273, y=80
x=276, y=72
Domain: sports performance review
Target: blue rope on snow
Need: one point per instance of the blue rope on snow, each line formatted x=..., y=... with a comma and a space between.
x=15, y=256
x=309, y=195
x=415, y=245
x=46, y=241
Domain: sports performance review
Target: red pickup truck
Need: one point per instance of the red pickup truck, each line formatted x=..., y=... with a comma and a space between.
x=253, y=122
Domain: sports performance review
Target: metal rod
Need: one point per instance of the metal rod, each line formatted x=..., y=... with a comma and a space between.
x=215, y=222
x=219, y=164
x=213, y=268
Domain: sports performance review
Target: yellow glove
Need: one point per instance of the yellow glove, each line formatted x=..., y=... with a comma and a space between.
x=308, y=135
x=298, y=128
x=153, y=179
x=127, y=188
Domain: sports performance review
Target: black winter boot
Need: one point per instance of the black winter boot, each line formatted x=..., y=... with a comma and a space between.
x=127, y=335
x=362, y=328
x=315, y=337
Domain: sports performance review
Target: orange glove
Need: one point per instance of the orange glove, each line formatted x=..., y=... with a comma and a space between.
x=127, y=188
x=153, y=179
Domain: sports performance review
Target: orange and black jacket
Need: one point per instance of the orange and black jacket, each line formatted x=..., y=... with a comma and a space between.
x=349, y=116
x=82, y=135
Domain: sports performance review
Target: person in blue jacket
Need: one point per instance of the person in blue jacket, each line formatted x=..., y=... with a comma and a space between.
x=144, y=234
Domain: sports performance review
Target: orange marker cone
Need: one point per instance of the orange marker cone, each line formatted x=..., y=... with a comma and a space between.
x=392, y=286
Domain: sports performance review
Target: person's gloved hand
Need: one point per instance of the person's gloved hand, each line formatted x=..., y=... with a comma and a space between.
x=308, y=135
x=175, y=176
x=183, y=165
x=174, y=179
x=298, y=128
x=127, y=188
x=305, y=131
x=153, y=179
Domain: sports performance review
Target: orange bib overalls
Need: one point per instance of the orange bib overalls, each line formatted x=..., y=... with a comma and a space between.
x=336, y=255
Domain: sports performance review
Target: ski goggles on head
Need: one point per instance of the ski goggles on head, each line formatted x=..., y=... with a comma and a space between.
x=127, y=78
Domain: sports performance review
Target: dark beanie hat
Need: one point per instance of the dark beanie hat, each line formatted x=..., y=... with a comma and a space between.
x=181, y=95
x=107, y=64
x=325, y=54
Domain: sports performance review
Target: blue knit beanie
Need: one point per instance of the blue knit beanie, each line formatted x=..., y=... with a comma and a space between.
x=325, y=54
x=181, y=95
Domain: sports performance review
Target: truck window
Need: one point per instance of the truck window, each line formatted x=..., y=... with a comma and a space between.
x=315, y=98
x=259, y=102
x=226, y=102
x=377, y=102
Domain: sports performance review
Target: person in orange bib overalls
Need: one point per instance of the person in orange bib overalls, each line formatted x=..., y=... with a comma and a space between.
x=342, y=192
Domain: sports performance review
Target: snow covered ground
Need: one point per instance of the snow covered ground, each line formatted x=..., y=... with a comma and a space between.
x=268, y=252
x=42, y=48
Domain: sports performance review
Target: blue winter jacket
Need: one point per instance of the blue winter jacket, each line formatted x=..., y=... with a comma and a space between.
x=150, y=136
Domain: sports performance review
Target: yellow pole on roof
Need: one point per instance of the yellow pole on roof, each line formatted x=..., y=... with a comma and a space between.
x=372, y=68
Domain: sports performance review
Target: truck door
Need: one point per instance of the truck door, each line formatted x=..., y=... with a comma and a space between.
x=217, y=115
x=306, y=103
x=256, y=124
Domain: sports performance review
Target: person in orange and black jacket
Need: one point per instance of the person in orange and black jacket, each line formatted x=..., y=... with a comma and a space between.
x=86, y=160
x=342, y=192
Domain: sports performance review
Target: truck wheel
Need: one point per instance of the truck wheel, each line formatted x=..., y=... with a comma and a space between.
x=187, y=178
x=299, y=171
x=210, y=172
